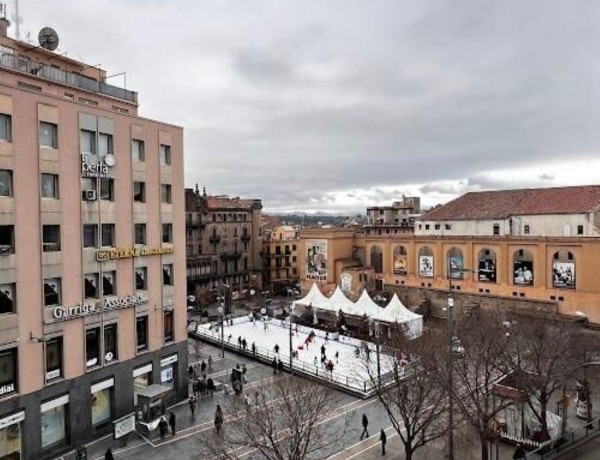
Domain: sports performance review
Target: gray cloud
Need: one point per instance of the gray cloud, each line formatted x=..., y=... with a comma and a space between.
x=294, y=102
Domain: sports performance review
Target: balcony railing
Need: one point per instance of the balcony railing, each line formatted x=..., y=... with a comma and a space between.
x=66, y=78
x=214, y=239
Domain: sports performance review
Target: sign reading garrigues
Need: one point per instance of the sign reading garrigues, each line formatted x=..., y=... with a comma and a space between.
x=109, y=303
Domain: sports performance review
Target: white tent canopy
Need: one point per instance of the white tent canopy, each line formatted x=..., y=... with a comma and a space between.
x=338, y=301
x=395, y=311
x=366, y=306
x=315, y=298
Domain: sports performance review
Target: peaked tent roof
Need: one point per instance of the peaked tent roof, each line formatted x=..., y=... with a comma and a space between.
x=396, y=311
x=366, y=306
x=339, y=301
x=314, y=298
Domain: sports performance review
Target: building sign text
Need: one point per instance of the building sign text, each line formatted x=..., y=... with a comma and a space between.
x=109, y=303
x=127, y=253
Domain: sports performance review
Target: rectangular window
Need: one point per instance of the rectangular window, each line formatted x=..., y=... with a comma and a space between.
x=51, y=238
x=107, y=189
x=52, y=293
x=438, y=226
x=50, y=186
x=141, y=282
x=110, y=343
x=90, y=236
x=141, y=329
x=167, y=233
x=139, y=192
x=54, y=422
x=109, y=283
x=165, y=154
x=166, y=193
x=168, y=274
x=90, y=285
x=7, y=239
x=108, y=235
x=168, y=326
x=54, y=353
x=496, y=229
x=87, y=142
x=6, y=183
x=105, y=144
x=48, y=135
x=92, y=347
x=448, y=226
x=8, y=371
x=140, y=233
x=5, y=127
x=580, y=229
x=137, y=150
x=7, y=298
x=101, y=404
x=526, y=229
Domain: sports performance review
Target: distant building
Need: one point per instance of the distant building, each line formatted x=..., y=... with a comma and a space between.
x=223, y=246
x=280, y=255
x=400, y=217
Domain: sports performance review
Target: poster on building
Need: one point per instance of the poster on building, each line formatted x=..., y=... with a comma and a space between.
x=487, y=270
x=316, y=260
x=426, y=266
x=346, y=282
x=523, y=272
x=563, y=274
x=400, y=266
x=456, y=267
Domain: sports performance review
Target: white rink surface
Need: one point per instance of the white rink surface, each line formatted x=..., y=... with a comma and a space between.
x=348, y=369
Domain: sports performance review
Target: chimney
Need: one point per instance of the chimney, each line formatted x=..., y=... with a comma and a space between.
x=4, y=23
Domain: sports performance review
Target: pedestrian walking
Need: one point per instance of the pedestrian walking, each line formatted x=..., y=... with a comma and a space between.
x=210, y=361
x=316, y=361
x=192, y=403
x=326, y=337
x=274, y=364
x=322, y=350
x=280, y=366
x=519, y=453
x=218, y=418
x=210, y=386
x=383, y=439
x=244, y=344
x=163, y=427
x=203, y=367
x=253, y=348
x=108, y=455
x=190, y=372
x=172, y=423
x=196, y=388
x=365, y=424
x=240, y=341
x=337, y=357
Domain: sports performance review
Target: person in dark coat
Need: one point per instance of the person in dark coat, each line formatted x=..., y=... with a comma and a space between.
x=276, y=348
x=163, y=427
x=280, y=366
x=191, y=372
x=192, y=403
x=519, y=453
x=210, y=386
x=253, y=348
x=365, y=424
x=203, y=367
x=274, y=364
x=218, y=418
x=196, y=388
x=108, y=455
x=172, y=423
x=383, y=439
x=244, y=344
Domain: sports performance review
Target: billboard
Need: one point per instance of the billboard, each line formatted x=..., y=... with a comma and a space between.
x=426, y=266
x=316, y=260
x=523, y=272
x=456, y=266
x=400, y=261
x=563, y=274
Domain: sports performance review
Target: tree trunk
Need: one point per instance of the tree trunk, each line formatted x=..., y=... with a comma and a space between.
x=484, y=448
x=408, y=452
x=544, y=417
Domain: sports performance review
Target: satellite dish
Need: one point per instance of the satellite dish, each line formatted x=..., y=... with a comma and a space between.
x=109, y=160
x=48, y=38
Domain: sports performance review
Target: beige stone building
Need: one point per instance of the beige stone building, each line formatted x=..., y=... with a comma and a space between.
x=92, y=268
x=400, y=217
x=224, y=243
x=280, y=254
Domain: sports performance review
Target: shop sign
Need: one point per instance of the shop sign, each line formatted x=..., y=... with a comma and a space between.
x=103, y=255
x=109, y=303
x=124, y=425
x=12, y=419
x=101, y=170
x=8, y=388
x=168, y=360
x=53, y=374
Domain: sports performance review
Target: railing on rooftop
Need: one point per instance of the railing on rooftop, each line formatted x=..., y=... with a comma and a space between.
x=66, y=78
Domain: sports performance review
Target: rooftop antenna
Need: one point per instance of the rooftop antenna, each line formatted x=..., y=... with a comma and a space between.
x=17, y=20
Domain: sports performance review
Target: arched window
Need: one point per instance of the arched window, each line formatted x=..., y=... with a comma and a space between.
x=455, y=264
x=563, y=269
x=523, y=268
x=377, y=258
x=486, y=266
x=426, y=262
x=400, y=260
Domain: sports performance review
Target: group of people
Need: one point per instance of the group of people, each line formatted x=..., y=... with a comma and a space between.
x=164, y=425
x=365, y=433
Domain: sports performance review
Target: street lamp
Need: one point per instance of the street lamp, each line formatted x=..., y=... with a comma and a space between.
x=292, y=308
x=222, y=314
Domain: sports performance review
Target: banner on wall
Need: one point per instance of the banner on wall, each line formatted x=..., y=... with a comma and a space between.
x=400, y=264
x=346, y=282
x=523, y=272
x=316, y=260
x=563, y=274
x=487, y=270
x=456, y=267
x=426, y=266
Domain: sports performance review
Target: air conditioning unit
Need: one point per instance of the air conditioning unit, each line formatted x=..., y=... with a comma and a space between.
x=5, y=249
x=88, y=195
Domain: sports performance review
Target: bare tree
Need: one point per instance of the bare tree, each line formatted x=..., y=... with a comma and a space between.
x=287, y=420
x=412, y=395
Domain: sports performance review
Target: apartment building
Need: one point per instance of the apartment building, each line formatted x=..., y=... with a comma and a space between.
x=280, y=255
x=398, y=218
x=92, y=271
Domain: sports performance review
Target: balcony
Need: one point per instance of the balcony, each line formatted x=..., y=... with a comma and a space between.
x=246, y=238
x=63, y=77
x=235, y=255
x=214, y=239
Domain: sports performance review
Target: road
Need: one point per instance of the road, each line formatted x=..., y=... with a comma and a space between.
x=589, y=451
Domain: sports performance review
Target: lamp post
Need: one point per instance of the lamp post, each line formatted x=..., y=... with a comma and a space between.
x=222, y=315
x=292, y=308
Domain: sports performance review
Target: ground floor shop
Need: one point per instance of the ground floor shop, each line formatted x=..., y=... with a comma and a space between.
x=66, y=414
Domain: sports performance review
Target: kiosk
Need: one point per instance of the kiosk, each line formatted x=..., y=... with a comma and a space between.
x=151, y=407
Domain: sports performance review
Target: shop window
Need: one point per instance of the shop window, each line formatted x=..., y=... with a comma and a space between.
x=109, y=283
x=496, y=229
x=563, y=269
x=54, y=358
x=90, y=285
x=5, y=127
x=168, y=326
x=138, y=150
x=140, y=233
x=107, y=189
x=455, y=264
x=426, y=262
x=51, y=238
x=7, y=239
x=87, y=142
x=92, y=347
x=167, y=233
x=52, y=293
x=141, y=282
x=168, y=274
x=90, y=236
x=141, y=329
x=10, y=436
x=50, y=186
x=48, y=135
x=523, y=268
x=54, y=421
x=110, y=343
x=7, y=298
x=376, y=256
x=400, y=261
x=139, y=192
x=101, y=405
x=166, y=193
x=486, y=269
x=105, y=144
x=165, y=154
x=6, y=183
x=8, y=372
x=108, y=235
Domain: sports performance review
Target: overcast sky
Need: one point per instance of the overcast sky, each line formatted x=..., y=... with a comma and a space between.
x=337, y=105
